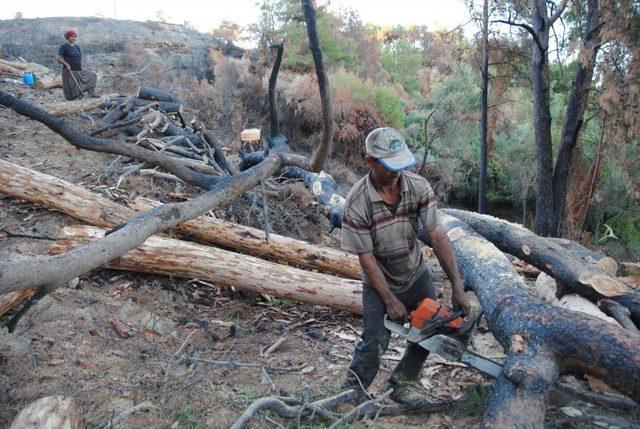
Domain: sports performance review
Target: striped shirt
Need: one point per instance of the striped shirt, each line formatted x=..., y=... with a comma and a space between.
x=369, y=225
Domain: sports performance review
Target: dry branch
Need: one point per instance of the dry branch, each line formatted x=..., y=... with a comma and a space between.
x=582, y=278
x=160, y=255
x=541, y=341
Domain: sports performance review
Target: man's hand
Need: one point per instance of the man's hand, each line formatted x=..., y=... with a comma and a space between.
x=460, y=302
x=396, y=310
x=67, y=67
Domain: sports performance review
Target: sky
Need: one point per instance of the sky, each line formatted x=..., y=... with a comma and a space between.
x=206, y=15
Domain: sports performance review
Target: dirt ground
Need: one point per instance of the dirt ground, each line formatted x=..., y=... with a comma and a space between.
x=67, y=344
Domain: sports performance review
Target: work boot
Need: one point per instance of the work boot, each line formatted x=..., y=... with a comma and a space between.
x=407, y=393
x=351, y=382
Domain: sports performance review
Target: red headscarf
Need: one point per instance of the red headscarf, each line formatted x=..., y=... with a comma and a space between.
x=70, y=33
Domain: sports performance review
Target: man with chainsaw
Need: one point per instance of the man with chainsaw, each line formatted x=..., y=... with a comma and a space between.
x=380, y=225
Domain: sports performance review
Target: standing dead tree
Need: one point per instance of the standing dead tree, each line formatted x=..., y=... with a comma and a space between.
x=55, y=270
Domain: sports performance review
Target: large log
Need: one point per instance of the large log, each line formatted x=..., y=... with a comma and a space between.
x=51, y=412
x=161, y=255
x=541, y=341
x=84, y=205
x=156, y=94
x=50, y=82
x=64, y=108
x=580, y=277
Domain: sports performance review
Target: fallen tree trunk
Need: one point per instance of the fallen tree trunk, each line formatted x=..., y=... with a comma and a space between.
x=84, y=205
x=580, y=277
x=160, y=255
x=64, y=108
x=541, y=341
x=54, y=412
x=156, y=94
x=51, y=82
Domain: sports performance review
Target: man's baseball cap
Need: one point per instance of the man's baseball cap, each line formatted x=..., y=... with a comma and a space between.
x=389, y=147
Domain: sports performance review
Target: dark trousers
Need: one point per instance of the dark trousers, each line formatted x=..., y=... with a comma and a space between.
x=375, y=337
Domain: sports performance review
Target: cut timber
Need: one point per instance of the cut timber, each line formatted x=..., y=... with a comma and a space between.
x=250, y=135
x=51, y=412
x=541, y=340
x=160, y=255
x=618, y=312
x=167, y=106
x=51, y=82
x=84, y=205
x=582, y=278
x=156, y=94
x=64, y=108
x=253, y=241
x=14, y=64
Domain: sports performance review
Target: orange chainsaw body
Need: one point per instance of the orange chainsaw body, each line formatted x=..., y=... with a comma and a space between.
x=430, y=310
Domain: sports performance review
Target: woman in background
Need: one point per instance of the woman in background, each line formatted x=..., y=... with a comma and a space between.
x=75, y=80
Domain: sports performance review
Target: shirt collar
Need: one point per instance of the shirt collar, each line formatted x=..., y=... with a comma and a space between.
x=373, y=194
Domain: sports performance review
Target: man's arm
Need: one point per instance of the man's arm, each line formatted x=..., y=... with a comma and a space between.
x=442, y=248
x=396, y=310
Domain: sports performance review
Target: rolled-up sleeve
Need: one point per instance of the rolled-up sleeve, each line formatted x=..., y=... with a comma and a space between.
x=356, y=231
x=427, y=208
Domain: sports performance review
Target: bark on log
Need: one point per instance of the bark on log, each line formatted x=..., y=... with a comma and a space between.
x=618, y=312
x=160, y=255
x=577, y=249
x=64, y=108
x=156, y=94
x=582, y=278
x=541, y=341
x=51, y=412
x=84, y=205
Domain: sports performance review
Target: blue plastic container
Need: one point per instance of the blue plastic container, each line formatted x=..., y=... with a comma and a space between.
x=28, y=78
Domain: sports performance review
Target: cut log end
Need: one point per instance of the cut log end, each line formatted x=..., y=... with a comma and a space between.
x=604, y=285
x=51, y=412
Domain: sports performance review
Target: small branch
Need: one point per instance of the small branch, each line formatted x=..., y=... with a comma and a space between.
x=553, y=18
x=144, y=406
x=526, y=27
x=237, y=364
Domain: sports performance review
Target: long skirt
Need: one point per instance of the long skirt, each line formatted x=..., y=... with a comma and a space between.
x=73, y=88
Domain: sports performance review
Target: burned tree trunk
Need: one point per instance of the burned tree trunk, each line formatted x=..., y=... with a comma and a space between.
x=541, y=341
x=160, y=255
x=273, y=95
x=156, y=94
x=573, y=117
x=582, y=278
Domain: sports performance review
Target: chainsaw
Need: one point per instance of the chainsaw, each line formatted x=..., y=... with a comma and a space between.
x=438, y=329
